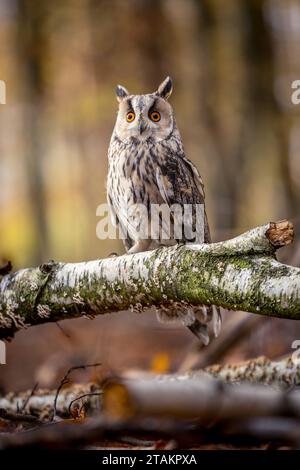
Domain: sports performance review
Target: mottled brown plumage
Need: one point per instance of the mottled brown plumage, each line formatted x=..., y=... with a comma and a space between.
x=148, y=166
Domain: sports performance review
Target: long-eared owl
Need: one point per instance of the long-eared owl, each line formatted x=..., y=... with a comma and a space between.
x=150, y=175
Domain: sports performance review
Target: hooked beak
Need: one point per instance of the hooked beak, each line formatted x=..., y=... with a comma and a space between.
x=142, y=125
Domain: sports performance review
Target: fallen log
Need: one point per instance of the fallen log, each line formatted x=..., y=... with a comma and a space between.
x=202, y=394
x=195, y=397
x=41, y=404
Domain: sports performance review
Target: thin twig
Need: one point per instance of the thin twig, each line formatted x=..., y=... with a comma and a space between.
x=65, y=380
x=82, y=396
x=28, y=398
x=19, y=417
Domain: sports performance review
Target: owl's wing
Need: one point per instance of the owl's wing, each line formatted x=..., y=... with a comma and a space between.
x=179, y=182
x=117, y=222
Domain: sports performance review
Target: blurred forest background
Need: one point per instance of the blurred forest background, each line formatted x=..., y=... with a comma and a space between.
x=232, y=63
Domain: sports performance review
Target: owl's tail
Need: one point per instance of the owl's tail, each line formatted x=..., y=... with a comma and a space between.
x=203, y=322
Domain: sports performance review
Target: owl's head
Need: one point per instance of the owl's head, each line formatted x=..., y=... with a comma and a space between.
x=145, y=117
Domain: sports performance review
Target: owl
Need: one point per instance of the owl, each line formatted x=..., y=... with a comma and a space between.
x=151, y=185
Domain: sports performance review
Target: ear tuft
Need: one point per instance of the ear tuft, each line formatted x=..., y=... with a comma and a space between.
x=165, y=88
x=121, y=93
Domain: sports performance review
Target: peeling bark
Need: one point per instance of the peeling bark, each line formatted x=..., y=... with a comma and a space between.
x=238, y=274
x=284, y=373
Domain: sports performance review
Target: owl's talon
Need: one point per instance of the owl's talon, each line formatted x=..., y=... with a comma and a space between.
x=113, y=255
x=199, y=330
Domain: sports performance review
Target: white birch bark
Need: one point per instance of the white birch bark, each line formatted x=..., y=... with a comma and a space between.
x=238, y=274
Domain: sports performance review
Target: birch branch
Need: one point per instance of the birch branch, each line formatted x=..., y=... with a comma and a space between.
x=284, y=373
x=194, y=397
x=238, y=274
x=41, y=404
x=122, y=397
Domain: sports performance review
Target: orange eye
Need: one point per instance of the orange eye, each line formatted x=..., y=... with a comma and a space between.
x=130, y=116
x=155, y=116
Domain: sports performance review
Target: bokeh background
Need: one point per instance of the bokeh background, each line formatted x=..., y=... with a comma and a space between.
x=232, y=63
